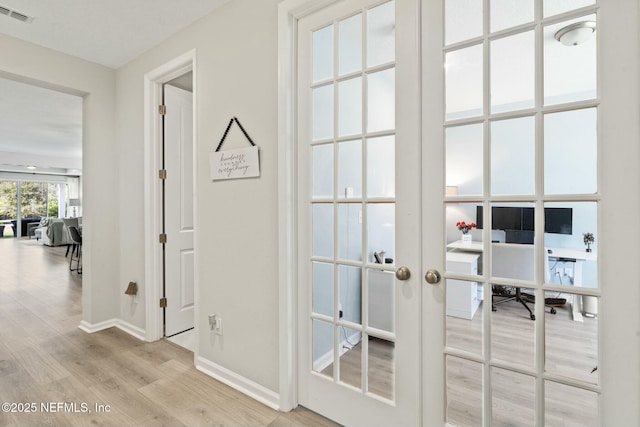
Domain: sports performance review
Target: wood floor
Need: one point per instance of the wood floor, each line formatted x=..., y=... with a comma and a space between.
x=47, y=361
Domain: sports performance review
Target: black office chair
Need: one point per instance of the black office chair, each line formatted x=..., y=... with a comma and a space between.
x=76, y=238
x=507, y=294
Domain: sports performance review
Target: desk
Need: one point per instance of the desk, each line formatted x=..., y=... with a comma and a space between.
x=578, y=257
x=463, y=298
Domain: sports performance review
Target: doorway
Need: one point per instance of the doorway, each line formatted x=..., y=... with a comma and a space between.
x=470, y=373
x=169, y=202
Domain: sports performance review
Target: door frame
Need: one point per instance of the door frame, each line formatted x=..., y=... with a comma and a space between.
x=152, y=287
x=289, y=13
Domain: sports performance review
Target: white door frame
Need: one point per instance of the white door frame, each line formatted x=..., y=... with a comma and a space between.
x=152, y=287
x=289, y=13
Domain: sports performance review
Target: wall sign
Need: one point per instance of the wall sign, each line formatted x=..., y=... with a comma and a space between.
x=237, y=163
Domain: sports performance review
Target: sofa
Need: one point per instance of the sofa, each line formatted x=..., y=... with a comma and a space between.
x=53, y=232
x=24, y=222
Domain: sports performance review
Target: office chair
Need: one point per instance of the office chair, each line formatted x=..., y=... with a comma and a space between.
x=516, y=262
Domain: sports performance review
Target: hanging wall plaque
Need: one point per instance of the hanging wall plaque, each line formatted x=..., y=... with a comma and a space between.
x=236, y=163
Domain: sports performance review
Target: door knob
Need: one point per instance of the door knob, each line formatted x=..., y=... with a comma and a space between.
x=403, y=273
x=432, y=277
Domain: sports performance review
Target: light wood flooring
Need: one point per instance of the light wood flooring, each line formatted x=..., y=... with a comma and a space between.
x=46, y=359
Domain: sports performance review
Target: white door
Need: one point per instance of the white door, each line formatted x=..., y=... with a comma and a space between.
x=359, y=113
x=532, y=150
x=178, y=210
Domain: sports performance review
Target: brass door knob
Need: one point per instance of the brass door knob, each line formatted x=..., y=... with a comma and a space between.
x=403, y=273
x=432, y=277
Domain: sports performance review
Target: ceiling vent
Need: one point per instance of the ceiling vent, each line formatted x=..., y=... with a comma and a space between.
x=15, y=15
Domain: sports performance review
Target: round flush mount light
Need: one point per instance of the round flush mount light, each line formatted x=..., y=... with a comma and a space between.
x=576, y=33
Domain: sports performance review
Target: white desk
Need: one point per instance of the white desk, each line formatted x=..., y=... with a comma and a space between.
x=578, y=257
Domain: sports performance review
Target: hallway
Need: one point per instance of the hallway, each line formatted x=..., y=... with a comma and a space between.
x=58, y=375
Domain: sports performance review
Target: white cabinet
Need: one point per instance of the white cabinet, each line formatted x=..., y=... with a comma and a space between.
x=463, y=298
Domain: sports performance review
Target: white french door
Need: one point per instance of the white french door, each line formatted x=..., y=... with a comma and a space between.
x=359, y=326
x=514, y=129
x=531, y=293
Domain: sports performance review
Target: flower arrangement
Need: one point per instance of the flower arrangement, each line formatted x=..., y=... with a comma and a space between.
x=464, y=227
x=588, y=239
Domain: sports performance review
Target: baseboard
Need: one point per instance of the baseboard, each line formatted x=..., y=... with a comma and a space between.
x=97, y=327
x=240, y=383
x=111, y=323
x=322, y=362
x=133, y=330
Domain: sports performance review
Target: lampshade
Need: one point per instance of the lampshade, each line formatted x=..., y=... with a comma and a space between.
x=576, y=33
x=74, y=202
x=451, y=190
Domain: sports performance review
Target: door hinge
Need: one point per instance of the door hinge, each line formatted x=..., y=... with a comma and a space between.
x=162, y=110
x=162, y=173
x=163, y=238
x=163, y=302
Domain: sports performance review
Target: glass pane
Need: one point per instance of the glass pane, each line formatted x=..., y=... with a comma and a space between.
x=509, y=13
x=381, y=227
x=323, y=112
x=512, y=234
x=572, y=346
x=323, y=54
x=350, y=45
x=570, y=72
x=381, y=104
x=323, y=288
x=463, y=75
x=322, y=170
x=323, y=230
x=323, y=347
x=381, y=167
x=350, y=107
x=512, y=73
x=381, y=43
x=571, y=152
x=512, y=399
x=512, y=331
x=382, y=366
x=463, y=20
x=464, y=392
x=570, y=406
x=513, y=156
x=350, y=231
x=8, y=208
x=350, y=281
x=570, y=238
x=554, y=7
x=350, y=169
x=464, y=311
x=463, y=228
x=381, y=301
x=350, y=356
x=464, y=159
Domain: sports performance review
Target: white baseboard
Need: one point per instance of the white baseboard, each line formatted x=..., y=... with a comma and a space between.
x=322, y=362
x=111, y=323
x=242, y=384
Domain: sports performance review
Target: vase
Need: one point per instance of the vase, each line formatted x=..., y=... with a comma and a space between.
x=467, y=238
x=588, y=247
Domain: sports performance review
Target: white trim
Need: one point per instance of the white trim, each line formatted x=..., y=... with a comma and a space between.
x=153, y=81
x=289, y=13
x=322, y=362
x=127, y=327
x=240, y=383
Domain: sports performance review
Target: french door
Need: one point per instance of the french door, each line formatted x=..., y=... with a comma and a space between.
x=359, y=325
x=488, y=169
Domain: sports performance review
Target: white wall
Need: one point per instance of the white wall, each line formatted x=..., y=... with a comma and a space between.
x=37, y=65
x=236, y=230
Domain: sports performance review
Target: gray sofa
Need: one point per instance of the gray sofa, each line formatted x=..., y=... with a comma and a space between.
x=53, y=232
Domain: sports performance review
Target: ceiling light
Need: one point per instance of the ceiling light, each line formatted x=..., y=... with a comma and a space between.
x=31, y=167
x=576, y=33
